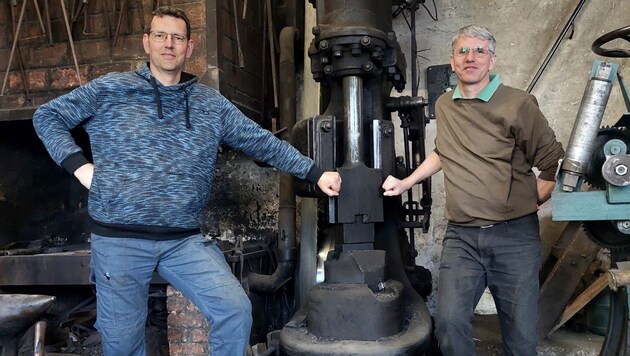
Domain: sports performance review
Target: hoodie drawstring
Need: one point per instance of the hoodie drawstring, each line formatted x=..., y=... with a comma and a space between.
x=187, y=110
x=158, y=101
x=156, y=94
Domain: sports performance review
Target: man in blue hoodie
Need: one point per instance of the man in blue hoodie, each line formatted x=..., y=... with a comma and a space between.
x=154, y=135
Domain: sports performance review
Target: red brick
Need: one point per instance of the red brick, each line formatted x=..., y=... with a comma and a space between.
x=13, y=101
x=187, y=350
x=66, y=78
x=176, y=305
x=196, y=13
x=196, y=65
x=179, y=334
x=198, y=335
x=183, y=319
x=37, y=79
x=48, y=56
x=128, y=47
x=98, y=70
x=199, y=42
x=93, y=51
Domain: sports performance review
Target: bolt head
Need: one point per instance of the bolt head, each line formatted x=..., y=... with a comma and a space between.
x=621, y=170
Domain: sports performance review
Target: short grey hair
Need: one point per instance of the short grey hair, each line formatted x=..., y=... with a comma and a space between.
x=477, y=32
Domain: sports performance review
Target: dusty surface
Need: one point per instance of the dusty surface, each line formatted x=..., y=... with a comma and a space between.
x=563, y=342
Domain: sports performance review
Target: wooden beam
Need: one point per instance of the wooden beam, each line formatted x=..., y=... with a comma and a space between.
x=589, y=293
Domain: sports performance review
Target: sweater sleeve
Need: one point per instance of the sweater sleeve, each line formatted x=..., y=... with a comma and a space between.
x=537, y=140
x=54, y=120
x=242, y=133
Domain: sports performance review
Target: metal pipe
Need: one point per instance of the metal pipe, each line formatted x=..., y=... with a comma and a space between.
x=352, y=108
x=555, y=46
x=287, y=207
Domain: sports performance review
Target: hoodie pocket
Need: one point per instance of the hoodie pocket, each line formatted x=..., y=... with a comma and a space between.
x=148, y=195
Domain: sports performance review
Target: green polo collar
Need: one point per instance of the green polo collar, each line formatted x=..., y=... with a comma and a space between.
x=487, y=91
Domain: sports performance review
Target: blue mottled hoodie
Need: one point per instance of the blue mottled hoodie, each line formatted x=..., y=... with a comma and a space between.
x=154, y=149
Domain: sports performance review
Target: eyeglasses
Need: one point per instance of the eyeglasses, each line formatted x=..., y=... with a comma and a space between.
x=476, y=51
x=159, y=36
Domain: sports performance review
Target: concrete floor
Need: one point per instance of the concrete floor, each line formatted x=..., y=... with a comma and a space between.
x=563, y=342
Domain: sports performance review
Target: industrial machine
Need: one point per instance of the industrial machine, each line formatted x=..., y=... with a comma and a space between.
x=369, y=297
x=594, y=178
x=366, y=304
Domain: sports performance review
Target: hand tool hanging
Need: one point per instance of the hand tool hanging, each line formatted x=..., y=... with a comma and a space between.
x=81, y=7
x=124, y=8
x=556, y=44
x=19, y=54
x=14, y=46
x=241, y=60
x=70, y=40
x=272, y=52
x=158, y=3
x=39, y=16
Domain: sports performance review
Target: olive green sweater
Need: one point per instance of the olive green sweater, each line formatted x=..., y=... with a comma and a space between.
x=487, y=147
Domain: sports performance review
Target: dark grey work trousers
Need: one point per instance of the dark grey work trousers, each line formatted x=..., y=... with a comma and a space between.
x=505, y=257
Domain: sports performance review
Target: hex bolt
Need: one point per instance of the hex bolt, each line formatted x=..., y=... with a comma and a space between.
x=326, y=126
x=328, y=69
x=323, y=44
x=368, y=66
x=336, y=51
x=621, y=170
x=365, y=40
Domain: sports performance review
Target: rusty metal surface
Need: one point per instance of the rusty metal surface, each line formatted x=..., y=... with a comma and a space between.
x=68, y=268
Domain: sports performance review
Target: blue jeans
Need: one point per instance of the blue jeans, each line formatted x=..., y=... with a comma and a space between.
x=506, y=258
x=122, y=268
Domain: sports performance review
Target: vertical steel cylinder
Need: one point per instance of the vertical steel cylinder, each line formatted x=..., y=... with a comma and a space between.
x=580, y=147
x=353, y=118
x=374, y=14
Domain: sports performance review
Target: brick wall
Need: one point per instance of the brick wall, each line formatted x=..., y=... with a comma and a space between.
x=187, y=328
x=49, y=69
x=49, y=72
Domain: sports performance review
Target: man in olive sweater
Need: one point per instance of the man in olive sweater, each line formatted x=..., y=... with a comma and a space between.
x=489, y=137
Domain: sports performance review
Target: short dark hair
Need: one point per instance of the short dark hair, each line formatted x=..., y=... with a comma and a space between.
x=172, y=12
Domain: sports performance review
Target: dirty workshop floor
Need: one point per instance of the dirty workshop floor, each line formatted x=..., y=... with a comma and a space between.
x=563, y=342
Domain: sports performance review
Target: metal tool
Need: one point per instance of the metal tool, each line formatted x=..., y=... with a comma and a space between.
x=69, y=31
x=19, y=57
x=13, y=47
x=241, y=60
x=17, y=313
x=124, y=8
